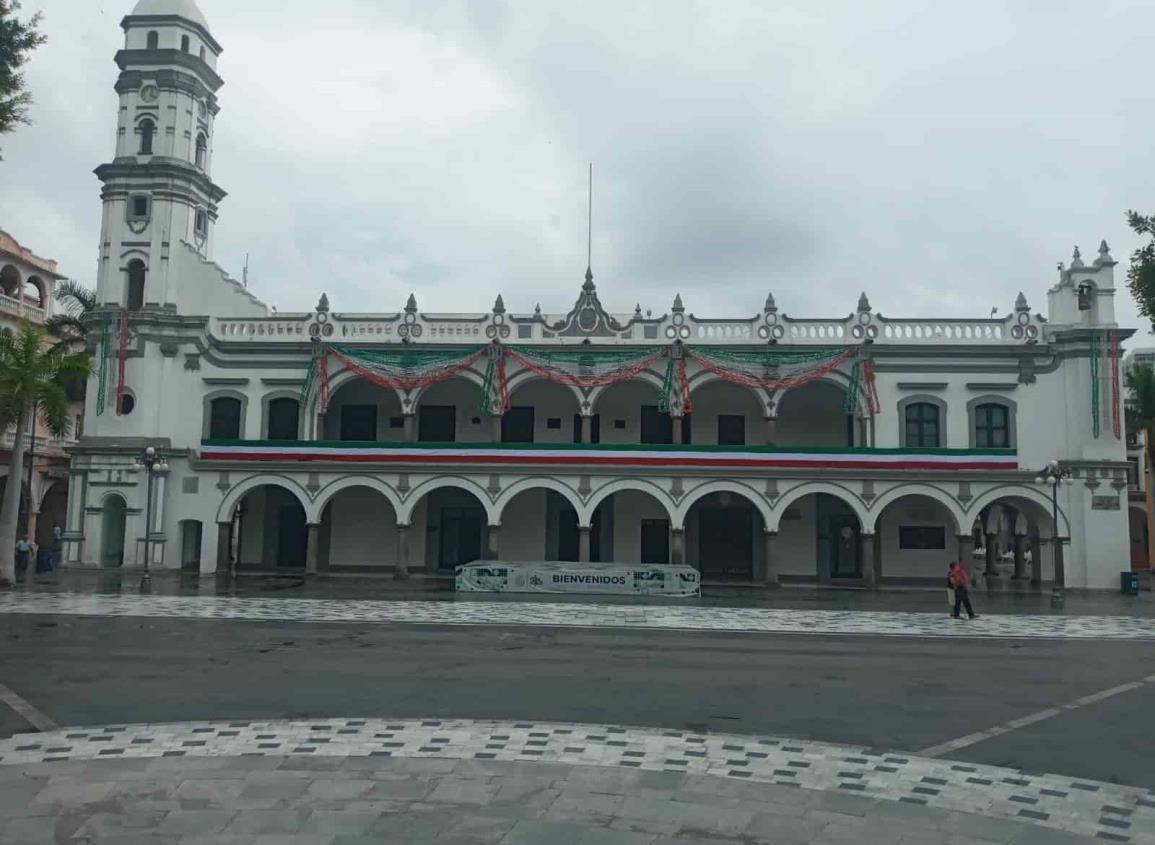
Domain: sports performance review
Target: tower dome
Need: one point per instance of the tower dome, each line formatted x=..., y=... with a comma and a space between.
x=186, y=9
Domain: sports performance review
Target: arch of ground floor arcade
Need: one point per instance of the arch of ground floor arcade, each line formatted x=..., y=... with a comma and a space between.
x=812, y=531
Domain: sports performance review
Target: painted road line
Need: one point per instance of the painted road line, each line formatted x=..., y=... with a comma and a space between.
x=26, y=711
x=1031, y=719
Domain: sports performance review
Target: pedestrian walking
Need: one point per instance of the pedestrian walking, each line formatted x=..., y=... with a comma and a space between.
x=959, y=581
x=23, y=553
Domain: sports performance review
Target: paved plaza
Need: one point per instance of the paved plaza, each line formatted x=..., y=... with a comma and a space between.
x=587, y=615
x=232, y=713
x=458, y=781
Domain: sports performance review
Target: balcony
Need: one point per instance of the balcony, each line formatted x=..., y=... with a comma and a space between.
x=22, y=310
x=627, y=458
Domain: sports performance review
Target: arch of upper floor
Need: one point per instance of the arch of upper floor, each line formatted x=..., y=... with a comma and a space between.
x=814, y=414
x=837, y=490
x=537, y=483
x=409, y=504
x=635, y=485
x=237, y=493
x=527, y=380
x=1032, y=502
x=378, y=407
x=433, y=393
x=707, y=379
x=727, y=414
x=331, y=490
x=949, y=504
x=10, y=281
x=643, y=380
x=735, y=488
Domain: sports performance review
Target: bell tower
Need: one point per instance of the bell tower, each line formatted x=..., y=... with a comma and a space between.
x=158, y=192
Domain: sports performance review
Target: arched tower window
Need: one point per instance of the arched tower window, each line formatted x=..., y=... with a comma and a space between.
x=184, y=43
x=153, y=40
x=202, y=54
x=202, y=150
x=922, y=424
x=147, y=130
x=136, y=275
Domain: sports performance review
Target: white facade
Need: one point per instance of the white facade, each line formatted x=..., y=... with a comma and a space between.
x=766, y=481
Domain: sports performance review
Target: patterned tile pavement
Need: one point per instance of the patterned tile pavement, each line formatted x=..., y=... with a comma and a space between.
x=591, y=615
x=750, y=763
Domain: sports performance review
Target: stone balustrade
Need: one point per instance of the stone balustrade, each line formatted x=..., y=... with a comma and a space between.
x=16, y=308
x=1019, y=327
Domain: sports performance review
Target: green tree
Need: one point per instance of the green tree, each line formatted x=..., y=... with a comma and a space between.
x=31, y=376
x=17, y=41
x=1140, y=381
x=77, y=303
x=1141, y=273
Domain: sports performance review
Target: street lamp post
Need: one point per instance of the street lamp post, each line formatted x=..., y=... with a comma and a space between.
x=153, y=464
x=1054, y=474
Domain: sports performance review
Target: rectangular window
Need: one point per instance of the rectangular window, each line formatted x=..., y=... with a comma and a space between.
x=922, y=426
x=921, y=537
x=1133, y=473
x=553, y=423
x=992, y=427
x=731, y=430
x=138, y=208
x=517, y=425
x=225, y=419
x=437, y=424
x=359, y=422
x=201, y=223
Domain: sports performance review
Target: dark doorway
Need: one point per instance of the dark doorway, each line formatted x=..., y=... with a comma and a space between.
x=569, y=540
x=593, y=431
x=461, y=529
x=655, y=541
x=359, y=422
x=292, y=537
x=731, y=430
x=658, y=427
x=517, y=425
x=726, y=542
x=845, y=560
x=437, y=424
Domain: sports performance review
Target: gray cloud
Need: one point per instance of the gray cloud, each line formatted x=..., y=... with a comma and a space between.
x=941, y=158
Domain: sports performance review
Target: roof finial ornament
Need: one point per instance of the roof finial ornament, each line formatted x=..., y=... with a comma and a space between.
x=863, y=303
x=499, y=305
x=411, y=305
x=1076, y=259
x=1104, y=255
x=588, y=287
x=678, y=307
x=323, y=304
x=638, y=311
x=537, y=310
x=1021, y=302
x=770, y=307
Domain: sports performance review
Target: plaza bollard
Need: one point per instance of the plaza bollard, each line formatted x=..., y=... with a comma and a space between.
x=1129, y=583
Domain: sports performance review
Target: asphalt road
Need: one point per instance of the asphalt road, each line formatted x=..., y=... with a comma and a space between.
x=890, y=693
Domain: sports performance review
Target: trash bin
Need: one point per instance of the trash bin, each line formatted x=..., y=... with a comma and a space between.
x=1129, y=583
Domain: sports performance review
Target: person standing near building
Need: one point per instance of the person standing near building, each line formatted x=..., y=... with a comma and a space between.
x=23, y=553
x=960, y=582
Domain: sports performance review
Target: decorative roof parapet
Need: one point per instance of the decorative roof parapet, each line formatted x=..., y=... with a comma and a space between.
x=1104, y=259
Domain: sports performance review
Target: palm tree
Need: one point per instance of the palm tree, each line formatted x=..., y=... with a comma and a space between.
x=78, y=302
x=30, y=382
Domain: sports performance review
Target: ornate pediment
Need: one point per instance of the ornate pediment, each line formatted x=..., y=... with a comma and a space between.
x=587, y=318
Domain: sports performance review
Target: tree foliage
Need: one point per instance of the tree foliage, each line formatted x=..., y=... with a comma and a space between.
x=31, y=377
x=17, y=41
x=77, y=302
x=1140, y=407
x=1141, y=273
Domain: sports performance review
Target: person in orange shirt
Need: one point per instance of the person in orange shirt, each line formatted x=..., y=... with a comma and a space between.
x=960, y=582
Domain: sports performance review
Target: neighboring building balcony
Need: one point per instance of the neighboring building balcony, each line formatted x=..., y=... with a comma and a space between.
x=22, y=310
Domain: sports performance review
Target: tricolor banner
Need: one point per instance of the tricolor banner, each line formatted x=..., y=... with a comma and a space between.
x=545, y=454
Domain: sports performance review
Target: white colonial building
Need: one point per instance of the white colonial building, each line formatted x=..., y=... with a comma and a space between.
x=757, y=447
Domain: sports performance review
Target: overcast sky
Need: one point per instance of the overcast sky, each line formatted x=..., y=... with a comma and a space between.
x=941, y=157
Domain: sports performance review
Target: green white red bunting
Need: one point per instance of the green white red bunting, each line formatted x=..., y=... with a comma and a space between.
x=605, y=455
